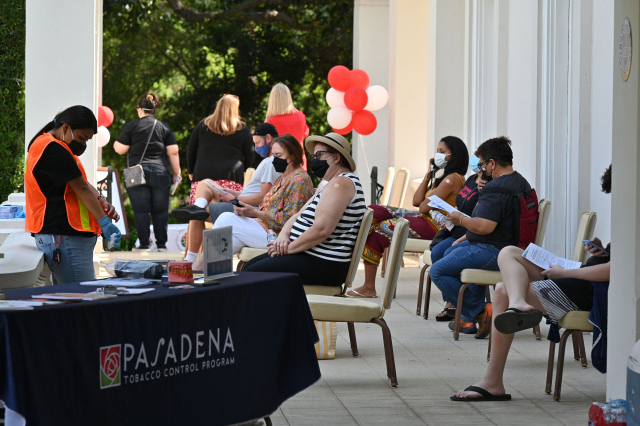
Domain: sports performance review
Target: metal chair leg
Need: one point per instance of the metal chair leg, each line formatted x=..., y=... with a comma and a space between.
x=576, y=348
x=427, y=297
x=560, y=368
x=383, y=263
x=489, y=345
x=536, y=331
x=552, y=355
x=583, y=353
x=388, y=350
x=352, y=339
x=456, y=324
x=420, y=286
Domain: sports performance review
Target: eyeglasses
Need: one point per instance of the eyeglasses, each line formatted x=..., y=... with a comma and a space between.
x=483, y=163
x=319, y=154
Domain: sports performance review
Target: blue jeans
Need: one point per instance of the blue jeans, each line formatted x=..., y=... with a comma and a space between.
x=76, y=257
x=152, y=199
x=445, y=274
x=439, y=250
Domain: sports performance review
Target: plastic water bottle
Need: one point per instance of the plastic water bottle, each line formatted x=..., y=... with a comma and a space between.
x=271, y=236
x=112, y=241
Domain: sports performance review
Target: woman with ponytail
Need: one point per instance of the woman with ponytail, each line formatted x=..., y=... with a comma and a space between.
x=63, y=211
x=150, y=143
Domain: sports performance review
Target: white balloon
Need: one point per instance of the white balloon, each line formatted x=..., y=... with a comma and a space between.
x=339, y=117
x=335, y=98
x=378, y=97
x=103, y=136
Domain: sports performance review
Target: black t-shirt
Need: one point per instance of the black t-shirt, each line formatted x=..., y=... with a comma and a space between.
x=465, y=202
x=500, y=208
x=136, y=133
x=53, y=170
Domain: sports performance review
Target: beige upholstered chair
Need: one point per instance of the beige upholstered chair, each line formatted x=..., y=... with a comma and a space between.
x=355, y=261
x=479, y=276
x=352, y=310
x=574, y=323
x=248, y=174
x=396, y=199
x=388, y=186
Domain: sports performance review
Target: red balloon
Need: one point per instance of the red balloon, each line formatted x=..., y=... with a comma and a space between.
x=359, y=78
x=105, y=116
x=364, y=122
x=340, y=78
x=344, y=131
x=356, y=98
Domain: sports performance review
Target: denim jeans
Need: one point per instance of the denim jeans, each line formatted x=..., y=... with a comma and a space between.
x=76, y=257
x=445, y=274
x=152, y=199
x=438, y=251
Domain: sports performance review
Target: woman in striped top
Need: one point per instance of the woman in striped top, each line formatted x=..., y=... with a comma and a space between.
x=317, y=242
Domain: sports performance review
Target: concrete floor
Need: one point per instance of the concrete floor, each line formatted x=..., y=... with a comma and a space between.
x=430, y=367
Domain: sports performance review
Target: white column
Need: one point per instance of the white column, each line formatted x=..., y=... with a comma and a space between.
x=63, y=62
x=625, y=208
x=371, y=54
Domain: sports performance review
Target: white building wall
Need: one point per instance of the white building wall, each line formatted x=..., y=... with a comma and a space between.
x=63, y=64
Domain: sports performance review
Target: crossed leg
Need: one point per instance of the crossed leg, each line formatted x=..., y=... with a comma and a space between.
x=197, y=226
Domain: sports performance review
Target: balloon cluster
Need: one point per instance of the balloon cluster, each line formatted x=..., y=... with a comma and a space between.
x=105, y=118
x=352, y=99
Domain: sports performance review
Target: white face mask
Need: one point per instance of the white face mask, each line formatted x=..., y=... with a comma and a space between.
x=439, y=159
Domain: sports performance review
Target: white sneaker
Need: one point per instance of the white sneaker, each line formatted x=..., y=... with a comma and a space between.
x=140, y=249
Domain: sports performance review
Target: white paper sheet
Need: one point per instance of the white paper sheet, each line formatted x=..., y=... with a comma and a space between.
x=129, y=291
x=438, y=203
x=544, y=259
x=118, y=283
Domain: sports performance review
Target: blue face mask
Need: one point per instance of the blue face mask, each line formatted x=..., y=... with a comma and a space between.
x=263, y=151
x=473, y=163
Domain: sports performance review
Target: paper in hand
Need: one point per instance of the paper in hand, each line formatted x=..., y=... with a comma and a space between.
x=175, y=185
x=438, y=203
x=544, y=259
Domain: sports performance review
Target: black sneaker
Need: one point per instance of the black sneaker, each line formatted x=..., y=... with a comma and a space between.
x=193, y=212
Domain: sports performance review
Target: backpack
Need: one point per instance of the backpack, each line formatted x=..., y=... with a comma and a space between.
x=526, y=214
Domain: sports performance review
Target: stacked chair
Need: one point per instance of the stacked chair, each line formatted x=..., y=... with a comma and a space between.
x=356, y=310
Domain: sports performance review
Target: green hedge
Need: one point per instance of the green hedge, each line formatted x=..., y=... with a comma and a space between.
x=12, y=59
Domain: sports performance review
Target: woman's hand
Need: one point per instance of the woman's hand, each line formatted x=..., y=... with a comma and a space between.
x=227, y=197
x=596, y=251
x=481, y=182
x=109, y=210
x=554, y=272
x=191, y=177
x=175, y=177
x=280, y=246
x=455, y=218
x=459, y=240
x=246, y=210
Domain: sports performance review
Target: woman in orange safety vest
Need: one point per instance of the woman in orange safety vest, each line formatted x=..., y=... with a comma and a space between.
x=64, y=212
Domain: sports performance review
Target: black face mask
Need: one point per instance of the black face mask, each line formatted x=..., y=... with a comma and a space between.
x=76, y=147
x=280, y=164
x=319, y=167
x=485, y=176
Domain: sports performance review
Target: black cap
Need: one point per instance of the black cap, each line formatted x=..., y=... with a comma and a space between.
x=265, y=129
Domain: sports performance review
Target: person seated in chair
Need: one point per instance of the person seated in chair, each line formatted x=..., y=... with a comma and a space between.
x=491, y=227
x=528, y=293
x=287, y=196
x=453, y=157
x=211, y=202
x=317, y=243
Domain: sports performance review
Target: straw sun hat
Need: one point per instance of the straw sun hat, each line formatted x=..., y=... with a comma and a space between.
x=336, y=142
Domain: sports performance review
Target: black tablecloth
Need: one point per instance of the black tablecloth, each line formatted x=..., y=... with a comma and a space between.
x=206, y=356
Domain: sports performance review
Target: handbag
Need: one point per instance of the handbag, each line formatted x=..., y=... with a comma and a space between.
x=134, y=176
x=442, y=235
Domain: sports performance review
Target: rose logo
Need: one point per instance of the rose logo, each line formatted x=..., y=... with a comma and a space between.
x=109, y=366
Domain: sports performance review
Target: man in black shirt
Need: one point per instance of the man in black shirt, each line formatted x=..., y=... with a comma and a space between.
x=491, y=227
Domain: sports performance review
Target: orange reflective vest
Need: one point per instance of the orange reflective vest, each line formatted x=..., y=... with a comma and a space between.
x=79, y=217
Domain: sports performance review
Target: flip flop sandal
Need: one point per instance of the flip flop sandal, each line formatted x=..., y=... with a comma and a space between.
x=359, y=295
x=486, y=396
x=451, y=314
x=513, y=320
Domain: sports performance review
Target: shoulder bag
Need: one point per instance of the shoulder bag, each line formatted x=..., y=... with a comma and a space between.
x=134, y=176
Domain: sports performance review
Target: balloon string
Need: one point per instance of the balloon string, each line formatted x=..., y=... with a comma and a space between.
x=365, y=155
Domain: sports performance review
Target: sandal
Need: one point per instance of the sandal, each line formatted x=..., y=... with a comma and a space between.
x=486, y=396
x=359, y=295
x=449, y=314
x=513, y=320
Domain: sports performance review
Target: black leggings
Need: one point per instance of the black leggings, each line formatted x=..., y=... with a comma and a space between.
x=312, y=270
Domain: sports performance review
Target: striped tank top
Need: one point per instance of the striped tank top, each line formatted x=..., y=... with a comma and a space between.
x=338, y=247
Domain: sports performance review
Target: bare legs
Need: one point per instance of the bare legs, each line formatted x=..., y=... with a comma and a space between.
x=369, y=286
x=196, y=227
x=517, y=272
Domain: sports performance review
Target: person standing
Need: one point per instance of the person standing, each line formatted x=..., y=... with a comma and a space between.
x=286, y=118
x=150, y=143
x=221, y=148
x=63, y=211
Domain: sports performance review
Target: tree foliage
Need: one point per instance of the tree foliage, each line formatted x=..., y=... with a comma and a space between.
x=12, y=73
x=192, y=53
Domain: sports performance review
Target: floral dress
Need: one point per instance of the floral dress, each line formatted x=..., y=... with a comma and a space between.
x=286, y=198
